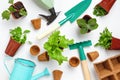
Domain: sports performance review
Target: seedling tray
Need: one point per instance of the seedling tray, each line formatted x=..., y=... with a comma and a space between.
x=108, y=69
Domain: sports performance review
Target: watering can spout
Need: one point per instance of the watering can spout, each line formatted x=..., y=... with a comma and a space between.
x=44, y=73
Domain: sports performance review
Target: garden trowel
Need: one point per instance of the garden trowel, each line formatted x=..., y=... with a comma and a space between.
x=71, y=15
x=49, y=4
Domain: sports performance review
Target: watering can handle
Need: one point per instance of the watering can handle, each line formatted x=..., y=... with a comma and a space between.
x=5, y=64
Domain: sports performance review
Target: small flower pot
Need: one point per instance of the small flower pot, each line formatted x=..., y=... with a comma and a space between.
x=43, y=57
x=16, y=15
x=18, y=6
x=74, y=61
x=12, y=47
x=115, y=44
x=92, y=55
x=107, y=4
x=34, y=50
x=57, y=74
x=36, y=23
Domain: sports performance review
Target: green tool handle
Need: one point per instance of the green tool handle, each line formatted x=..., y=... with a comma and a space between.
x=81, y=53
x=53, y=28
x=66, y=19
x=85, y=69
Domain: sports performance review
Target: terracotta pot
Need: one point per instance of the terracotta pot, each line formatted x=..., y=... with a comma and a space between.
x=36, y=23
x=12, y=47
x=57, y=74
x=107, y=4
x=34, y=50
x=115, y=44
x=74, y=61
x=92, y=55
x=43, y=57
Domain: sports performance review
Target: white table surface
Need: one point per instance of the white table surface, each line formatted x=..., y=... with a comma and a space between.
x=112, y=21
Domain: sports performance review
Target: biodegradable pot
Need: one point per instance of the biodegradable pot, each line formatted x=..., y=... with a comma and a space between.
x=36, y=23
x=18, y=6
x=108, y=69
x=57, y=74
x=43, y=57
x=12, y=47
x=74, y=61
x=92, y=55
x=115, y=44
x=34, y=50
x=107, y=4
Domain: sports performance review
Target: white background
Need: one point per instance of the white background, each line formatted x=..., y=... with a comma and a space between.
x=70, y=30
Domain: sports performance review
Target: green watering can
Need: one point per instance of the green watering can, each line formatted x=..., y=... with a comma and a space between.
x=49, y=4
x=23, y=70
x=71, y=15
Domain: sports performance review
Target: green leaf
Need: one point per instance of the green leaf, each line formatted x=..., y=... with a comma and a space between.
x=26, y=31
x=30, y=42
x=81, y=23
x=105, y=39
x=6, y=15
x=99, y=11
x=23, y=39
x=11, y=1
x=55, y=45
x=23, y=12
x=18, y=35
x=11, y=9
x=92, y=24
x=83, y=30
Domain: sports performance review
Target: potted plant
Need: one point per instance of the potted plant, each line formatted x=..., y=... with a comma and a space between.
x=16, y=9
x=55, y=46
x=103, y=8
x=17, y=38
x=87, y=24
x=108, y=41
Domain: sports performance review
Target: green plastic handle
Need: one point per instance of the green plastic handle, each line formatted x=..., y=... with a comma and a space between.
x=48, y=3
x=81, y=53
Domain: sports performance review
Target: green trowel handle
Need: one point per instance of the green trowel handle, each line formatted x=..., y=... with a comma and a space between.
x=66, y=19
x=81, y=53
x=46, y=33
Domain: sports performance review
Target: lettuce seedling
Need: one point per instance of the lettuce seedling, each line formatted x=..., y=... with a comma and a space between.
x=55, y=45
